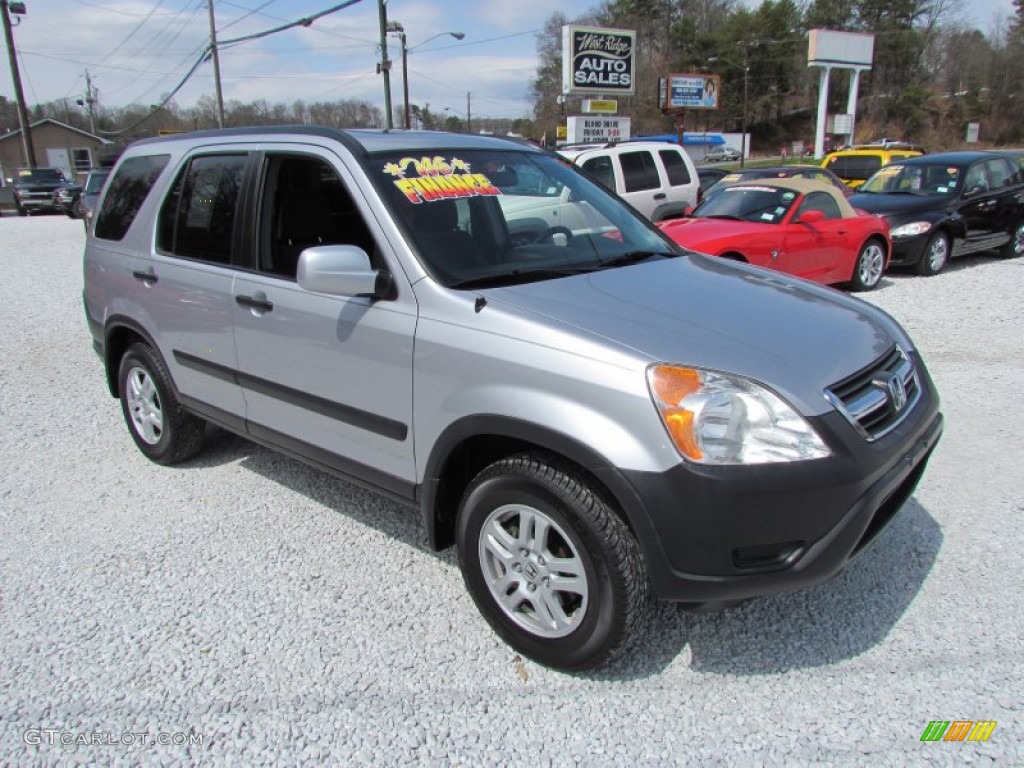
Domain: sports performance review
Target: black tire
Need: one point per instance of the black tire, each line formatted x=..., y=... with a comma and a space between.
x=935, y=255
x=164, y=431
x=1015, y=245
x=869, y=267
x=584, y=539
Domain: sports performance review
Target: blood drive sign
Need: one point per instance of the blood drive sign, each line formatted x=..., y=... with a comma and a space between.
x=598, y=60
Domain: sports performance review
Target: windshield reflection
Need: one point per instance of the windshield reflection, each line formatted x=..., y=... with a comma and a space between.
x=480, y=218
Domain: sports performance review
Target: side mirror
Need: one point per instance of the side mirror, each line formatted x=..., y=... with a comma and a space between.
x=975, y=190
x=341, y=270
x=811, y=217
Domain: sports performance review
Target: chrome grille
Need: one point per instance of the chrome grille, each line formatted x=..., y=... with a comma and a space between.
x=878, y=398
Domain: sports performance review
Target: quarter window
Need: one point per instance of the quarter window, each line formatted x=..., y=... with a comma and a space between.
x=129, y=188
x=198, y=217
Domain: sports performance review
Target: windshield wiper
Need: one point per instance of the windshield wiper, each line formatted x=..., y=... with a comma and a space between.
x=514, y=276
x=633, y=257
x=729, y=216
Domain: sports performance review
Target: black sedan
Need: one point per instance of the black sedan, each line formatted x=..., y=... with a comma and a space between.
x=948, y=204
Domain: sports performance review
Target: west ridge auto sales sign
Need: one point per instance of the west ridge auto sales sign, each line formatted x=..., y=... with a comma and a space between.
x=597, y=60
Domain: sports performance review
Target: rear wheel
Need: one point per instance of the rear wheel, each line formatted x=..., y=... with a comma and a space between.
x=160, y=427
x=1015, y=246
x=554, y=570
x=935, y=255
x=867, y=271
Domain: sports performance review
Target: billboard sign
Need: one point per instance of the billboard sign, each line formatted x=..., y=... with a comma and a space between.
x=598, y=60
x=597, y=130
x=692, y=91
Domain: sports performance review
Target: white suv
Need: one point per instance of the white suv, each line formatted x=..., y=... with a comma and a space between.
x=656, y=178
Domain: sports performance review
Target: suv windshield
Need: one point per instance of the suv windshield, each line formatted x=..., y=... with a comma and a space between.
x=926, y=179
x=495, y=217
x=28, y=176
x=763, y=204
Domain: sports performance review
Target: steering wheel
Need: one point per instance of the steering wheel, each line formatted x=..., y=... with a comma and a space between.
x=552, y=231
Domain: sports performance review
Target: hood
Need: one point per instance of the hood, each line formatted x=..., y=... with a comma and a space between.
x=790, y=334
x=895, y=205
x=702, y=234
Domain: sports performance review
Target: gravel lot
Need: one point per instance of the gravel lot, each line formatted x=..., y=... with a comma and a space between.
x=282, y=616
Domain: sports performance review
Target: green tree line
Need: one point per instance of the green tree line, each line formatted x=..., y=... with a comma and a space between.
x=931, y=75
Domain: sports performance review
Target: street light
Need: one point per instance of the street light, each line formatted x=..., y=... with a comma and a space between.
x=396, y=28
x=746, y=78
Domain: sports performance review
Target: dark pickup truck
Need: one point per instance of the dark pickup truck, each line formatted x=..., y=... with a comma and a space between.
x=34, y=189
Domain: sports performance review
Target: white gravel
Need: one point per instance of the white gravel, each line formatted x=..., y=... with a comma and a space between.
x=285, y=617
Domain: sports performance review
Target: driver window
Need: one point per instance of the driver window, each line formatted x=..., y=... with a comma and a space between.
x=820, y=201
x=304, y=204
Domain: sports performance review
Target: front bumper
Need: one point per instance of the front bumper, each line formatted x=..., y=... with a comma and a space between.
x=721, y=534
x=36, y=202
x=908, y=251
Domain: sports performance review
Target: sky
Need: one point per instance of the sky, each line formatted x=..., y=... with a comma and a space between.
x=137, y=51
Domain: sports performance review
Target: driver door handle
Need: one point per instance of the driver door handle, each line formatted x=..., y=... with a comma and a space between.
x=660, y=196
x=258, y=302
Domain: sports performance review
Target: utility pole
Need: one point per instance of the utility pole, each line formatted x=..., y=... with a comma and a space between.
x=385, y=64
x=88, y=101
x=26, y=136
x=216, y=65
x=469, y=115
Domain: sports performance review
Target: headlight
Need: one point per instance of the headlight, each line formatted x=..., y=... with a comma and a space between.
x=909, y=230
x=715, y=418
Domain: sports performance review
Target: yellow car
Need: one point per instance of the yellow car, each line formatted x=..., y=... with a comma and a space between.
x=855, y=165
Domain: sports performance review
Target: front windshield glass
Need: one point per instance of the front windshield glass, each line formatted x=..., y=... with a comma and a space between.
x=498, y=217
x=95, y=182
x=40, y=174
x=923, y=179
x=763, y=204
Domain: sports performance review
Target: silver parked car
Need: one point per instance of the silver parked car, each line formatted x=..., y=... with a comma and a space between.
x=721, y=154
x=482, y=332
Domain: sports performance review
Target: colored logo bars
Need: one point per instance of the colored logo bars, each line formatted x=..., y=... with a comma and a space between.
x=958, y=730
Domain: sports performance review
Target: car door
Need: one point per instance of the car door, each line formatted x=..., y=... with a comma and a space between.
x=185, y=286
x=642, y=185
x=814, y=250
x=1006, y=182
x=979, y=208
x=327, y=377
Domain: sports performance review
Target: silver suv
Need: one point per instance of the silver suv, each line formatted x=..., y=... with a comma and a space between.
x=482, y=332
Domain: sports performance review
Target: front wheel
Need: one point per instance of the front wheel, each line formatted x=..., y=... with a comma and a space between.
x=867, y=271
x=163, y=430
x=935, y=256
x=551, y=566
x=1015, y=245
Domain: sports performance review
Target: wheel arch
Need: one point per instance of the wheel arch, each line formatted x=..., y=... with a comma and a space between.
x=119, y=334
x=474, y=442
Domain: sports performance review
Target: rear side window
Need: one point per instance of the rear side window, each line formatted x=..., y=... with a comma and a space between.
x=128, y=191
x=675, y=166
x=639, y=171
x=198, y=217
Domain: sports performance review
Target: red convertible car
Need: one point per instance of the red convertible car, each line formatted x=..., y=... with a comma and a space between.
x=805, y=228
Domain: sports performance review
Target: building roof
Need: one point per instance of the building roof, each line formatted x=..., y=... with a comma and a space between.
x=58, y=123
